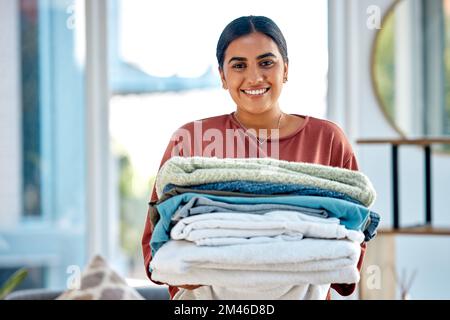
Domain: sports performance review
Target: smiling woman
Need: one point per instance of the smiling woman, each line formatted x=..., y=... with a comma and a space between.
x=253, y=65
x=255, y=80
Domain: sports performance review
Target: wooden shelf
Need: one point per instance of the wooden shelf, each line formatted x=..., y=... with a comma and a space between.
x=426, y=143
x=418, y=141
x=416, y=230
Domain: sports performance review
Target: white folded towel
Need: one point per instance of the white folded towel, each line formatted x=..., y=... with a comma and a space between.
x=255, y=279
x=308, y=261
x=227, y=241
x=202, y=228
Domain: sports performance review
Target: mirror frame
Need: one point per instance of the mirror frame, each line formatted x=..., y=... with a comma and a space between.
x=375, y=90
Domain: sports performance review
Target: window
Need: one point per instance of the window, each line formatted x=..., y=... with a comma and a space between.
x=31, y=131
x=48, y=235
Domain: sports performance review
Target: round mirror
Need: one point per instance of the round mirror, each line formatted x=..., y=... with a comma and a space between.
x=411, y=67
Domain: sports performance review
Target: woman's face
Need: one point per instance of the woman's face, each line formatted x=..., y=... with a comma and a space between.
x=253, y=72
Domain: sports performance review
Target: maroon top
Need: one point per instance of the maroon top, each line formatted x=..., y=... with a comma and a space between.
x=315, y=141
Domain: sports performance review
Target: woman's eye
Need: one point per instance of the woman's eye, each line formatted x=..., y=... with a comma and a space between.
x=267, y=63
x=238, y=66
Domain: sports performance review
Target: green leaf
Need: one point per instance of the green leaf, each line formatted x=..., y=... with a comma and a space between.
x=13, y=282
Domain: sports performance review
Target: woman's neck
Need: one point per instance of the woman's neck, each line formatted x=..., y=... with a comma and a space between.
x=267, y=120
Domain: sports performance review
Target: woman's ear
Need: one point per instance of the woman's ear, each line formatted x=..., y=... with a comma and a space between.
x=222, y=77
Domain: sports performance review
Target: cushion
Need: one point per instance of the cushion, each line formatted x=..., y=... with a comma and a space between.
x=100, y=282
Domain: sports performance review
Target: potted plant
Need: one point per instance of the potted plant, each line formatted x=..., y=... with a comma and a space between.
x=13, y=282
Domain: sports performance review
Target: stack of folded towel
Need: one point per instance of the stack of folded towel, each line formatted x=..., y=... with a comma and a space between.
x=258, y=228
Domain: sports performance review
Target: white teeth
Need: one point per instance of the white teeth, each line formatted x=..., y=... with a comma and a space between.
x=256, y=92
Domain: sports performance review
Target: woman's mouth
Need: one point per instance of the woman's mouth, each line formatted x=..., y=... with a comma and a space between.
x=256, y=93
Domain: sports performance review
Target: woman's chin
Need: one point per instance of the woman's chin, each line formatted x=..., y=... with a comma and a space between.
x=255, y=110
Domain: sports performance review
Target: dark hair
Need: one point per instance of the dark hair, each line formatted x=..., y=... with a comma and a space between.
x=246, y=25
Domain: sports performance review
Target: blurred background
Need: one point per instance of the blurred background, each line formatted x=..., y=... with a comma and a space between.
x=91, y=91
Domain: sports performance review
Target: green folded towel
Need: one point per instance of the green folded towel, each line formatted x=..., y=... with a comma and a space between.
x=189, y=171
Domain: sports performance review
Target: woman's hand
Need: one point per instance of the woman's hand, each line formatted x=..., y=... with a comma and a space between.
x=189, y=287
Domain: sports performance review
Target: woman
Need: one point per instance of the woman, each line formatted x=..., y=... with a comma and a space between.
x=253, y=65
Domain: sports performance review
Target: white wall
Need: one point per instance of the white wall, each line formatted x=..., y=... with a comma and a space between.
x=356, y=109
x=10, y=141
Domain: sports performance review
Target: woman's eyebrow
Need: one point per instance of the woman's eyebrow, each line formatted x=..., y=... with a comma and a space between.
x=265, y=55
x=262, y=56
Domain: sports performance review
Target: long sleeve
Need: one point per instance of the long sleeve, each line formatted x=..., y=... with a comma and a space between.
x=347, y=289
x=148, y=231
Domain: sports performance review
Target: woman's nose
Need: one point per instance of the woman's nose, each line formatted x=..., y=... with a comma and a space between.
x=255, y=75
